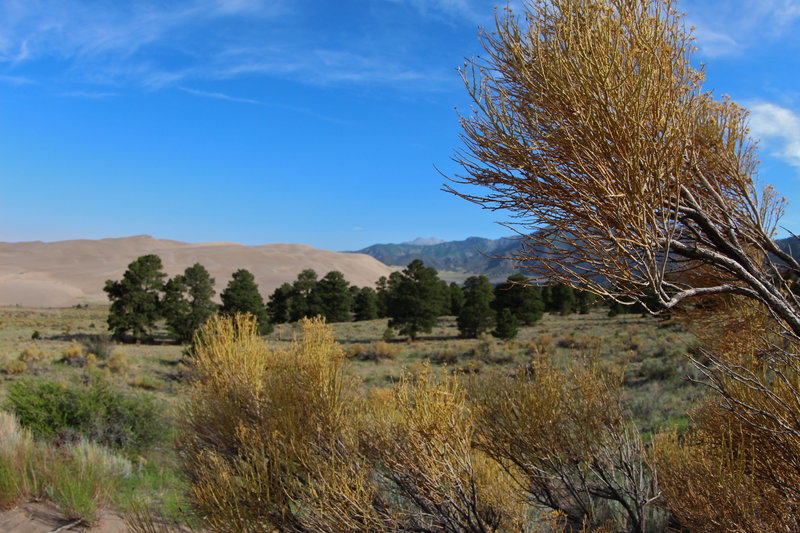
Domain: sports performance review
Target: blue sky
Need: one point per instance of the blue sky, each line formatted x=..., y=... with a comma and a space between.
x=320, y=122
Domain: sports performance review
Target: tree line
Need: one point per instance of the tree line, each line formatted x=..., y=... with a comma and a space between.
x=412, y=300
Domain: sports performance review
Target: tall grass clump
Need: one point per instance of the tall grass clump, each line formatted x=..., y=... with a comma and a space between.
x=80, y=479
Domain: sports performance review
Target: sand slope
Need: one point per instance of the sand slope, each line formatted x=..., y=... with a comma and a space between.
x=61, y=274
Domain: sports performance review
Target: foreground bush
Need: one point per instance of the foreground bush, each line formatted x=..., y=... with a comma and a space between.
x=96, y=412
x=281, y=439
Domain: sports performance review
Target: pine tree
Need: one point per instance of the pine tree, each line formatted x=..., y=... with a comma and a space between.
x=563, y=299
x=585, y=300
x=382, y=290
x=506, y=328
x=456, y=298
x=242, y=296
x=135, y=301
x=413, y=299
x=524, y=301
x=278, y=304
x=304, y=302
x=477, y=315
x=333, y=294
x=187, y=302
x=366, y=304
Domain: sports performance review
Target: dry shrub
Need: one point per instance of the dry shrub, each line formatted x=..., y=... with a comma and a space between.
x=541, y=344
x=422, y=439
x=117, y=363
x=73, y=355
x=739, y=469
x=278, y=439
x=712, y=479
x=567, y=443
x=447, y=356
x=374, y=351
x=268, y=434
x=14, y=367
x=31, y=355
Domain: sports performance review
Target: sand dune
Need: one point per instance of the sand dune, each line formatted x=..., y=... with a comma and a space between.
x=65, y=273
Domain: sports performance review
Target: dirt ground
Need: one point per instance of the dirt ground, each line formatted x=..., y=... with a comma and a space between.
x=41, y=517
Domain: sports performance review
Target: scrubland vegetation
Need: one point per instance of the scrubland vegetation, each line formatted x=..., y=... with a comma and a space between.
x=124, y=401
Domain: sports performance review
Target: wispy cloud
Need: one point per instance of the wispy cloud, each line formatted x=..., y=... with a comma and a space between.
x=779, y=128
x=16, y=80
x=156, y=45
x=219, y=96
x=725, y=27
x=716, y=44
x=92, y=95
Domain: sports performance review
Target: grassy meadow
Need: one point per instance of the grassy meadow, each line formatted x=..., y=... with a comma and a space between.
x=70, y=347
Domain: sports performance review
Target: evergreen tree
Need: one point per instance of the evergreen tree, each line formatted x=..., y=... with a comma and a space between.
x=456, y=298
x=506, y=328
x=278, y=304
x=547, y=299
x=382, y=291
x=413, y=299
x=242, y=296
x=563, y=299
x=443, y=298
x=477, y=315
x=333, y=294
x=354, y=292
x=187, y=301
x=135, y=299
x=524, y=301
x=366, y=304
x=304, y=302
x=584, y=301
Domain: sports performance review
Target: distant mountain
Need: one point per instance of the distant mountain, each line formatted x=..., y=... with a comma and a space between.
x=790, y=245
x=471, y=256
x=425, y=241
x=476, y=255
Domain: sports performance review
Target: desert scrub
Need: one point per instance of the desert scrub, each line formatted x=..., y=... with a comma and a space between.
x=96, y=412
x=31, y=355
x=147, y=383
x=374, y=351
x=117, y=363
x=14, y=367
x=73, y=355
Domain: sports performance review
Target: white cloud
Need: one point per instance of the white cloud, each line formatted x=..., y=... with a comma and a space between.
x=17, y=80
x=779, y=129
x=156, y=45
x=219, y=96
x=92, y=95
x=727, y=27
x=715, y=44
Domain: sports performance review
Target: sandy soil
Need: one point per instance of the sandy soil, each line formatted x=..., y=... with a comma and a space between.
x=45, y=518
x=65, y=273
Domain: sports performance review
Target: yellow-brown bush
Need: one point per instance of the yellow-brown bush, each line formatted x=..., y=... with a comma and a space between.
x=73, y=355
x=31, y=355
x=374, y=351
x=14, y=367
x=567, y=442
x=280, y=439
